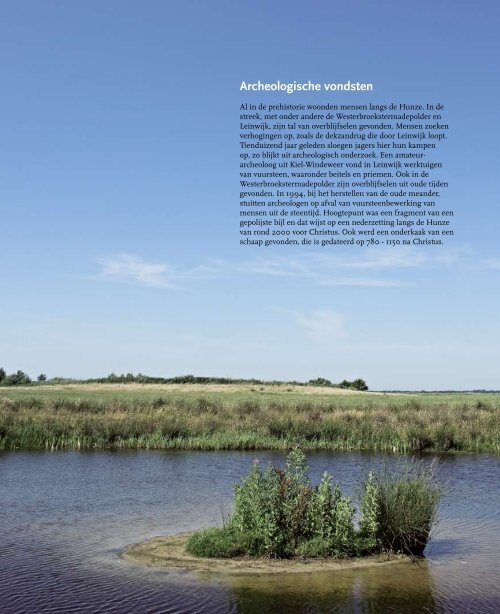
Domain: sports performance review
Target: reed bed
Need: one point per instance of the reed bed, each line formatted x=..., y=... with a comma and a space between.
x=41, y=419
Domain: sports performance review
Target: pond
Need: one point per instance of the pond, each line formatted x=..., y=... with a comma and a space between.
x=66, y=516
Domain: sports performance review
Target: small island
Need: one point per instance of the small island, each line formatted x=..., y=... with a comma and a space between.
x=280, y=522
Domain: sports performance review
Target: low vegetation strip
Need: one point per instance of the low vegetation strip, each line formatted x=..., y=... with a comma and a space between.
x=246, y=418
x=20, y=378
x=278, y=513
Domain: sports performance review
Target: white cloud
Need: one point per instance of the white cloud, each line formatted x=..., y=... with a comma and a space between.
x=345, y=270
x=359, y=281
x=133, y=269
x=374, y=268
x=322, y=325
x=130, y=268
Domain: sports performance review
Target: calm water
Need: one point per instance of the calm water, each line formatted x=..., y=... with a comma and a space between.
x=65, y=516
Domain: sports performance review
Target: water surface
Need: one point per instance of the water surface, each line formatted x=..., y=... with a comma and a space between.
x=67, y=515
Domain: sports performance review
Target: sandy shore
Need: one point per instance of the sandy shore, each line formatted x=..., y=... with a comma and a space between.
x=168, y=552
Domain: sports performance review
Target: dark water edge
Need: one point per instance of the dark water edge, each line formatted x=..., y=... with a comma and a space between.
x=67, y=515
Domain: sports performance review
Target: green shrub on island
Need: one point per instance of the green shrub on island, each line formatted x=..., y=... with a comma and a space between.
x=278, y=514
x=406, y=502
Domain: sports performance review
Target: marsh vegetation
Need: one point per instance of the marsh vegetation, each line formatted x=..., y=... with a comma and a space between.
x=245, y=417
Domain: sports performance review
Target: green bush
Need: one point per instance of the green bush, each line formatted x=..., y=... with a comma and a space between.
x=403, y=509
x=277, y=513
x=357, y=384
x=220, y=543
x=370, y=513
x=320, y=381
x=312, y=548
x=15, y=379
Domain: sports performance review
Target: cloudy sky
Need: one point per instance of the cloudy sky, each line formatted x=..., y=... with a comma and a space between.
x=119, y=194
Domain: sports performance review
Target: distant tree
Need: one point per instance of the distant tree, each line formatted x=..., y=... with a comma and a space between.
x=359, y=384
x=3, y=375
x=17, y=379
x=320, y=381
x=344, y=384
x=42, y=377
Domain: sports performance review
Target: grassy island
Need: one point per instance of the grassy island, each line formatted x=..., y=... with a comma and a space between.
x=277, y=513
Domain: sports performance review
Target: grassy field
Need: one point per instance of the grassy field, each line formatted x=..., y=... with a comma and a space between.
x=242, y=416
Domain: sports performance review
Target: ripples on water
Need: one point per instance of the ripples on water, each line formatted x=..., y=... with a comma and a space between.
x=66, y=516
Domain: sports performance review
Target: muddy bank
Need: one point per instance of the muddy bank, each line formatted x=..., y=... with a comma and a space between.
x=168, y=552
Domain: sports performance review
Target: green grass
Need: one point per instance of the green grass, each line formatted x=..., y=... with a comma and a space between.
x=220, y=542
x=245, y=418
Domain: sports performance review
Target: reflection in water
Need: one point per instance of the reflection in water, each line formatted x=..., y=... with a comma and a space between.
x=67, y=515
x=398, y=588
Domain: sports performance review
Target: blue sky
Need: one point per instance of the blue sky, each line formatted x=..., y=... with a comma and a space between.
x=119, y=194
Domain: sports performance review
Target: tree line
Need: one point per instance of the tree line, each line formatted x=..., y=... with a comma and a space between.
x=20, y=378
